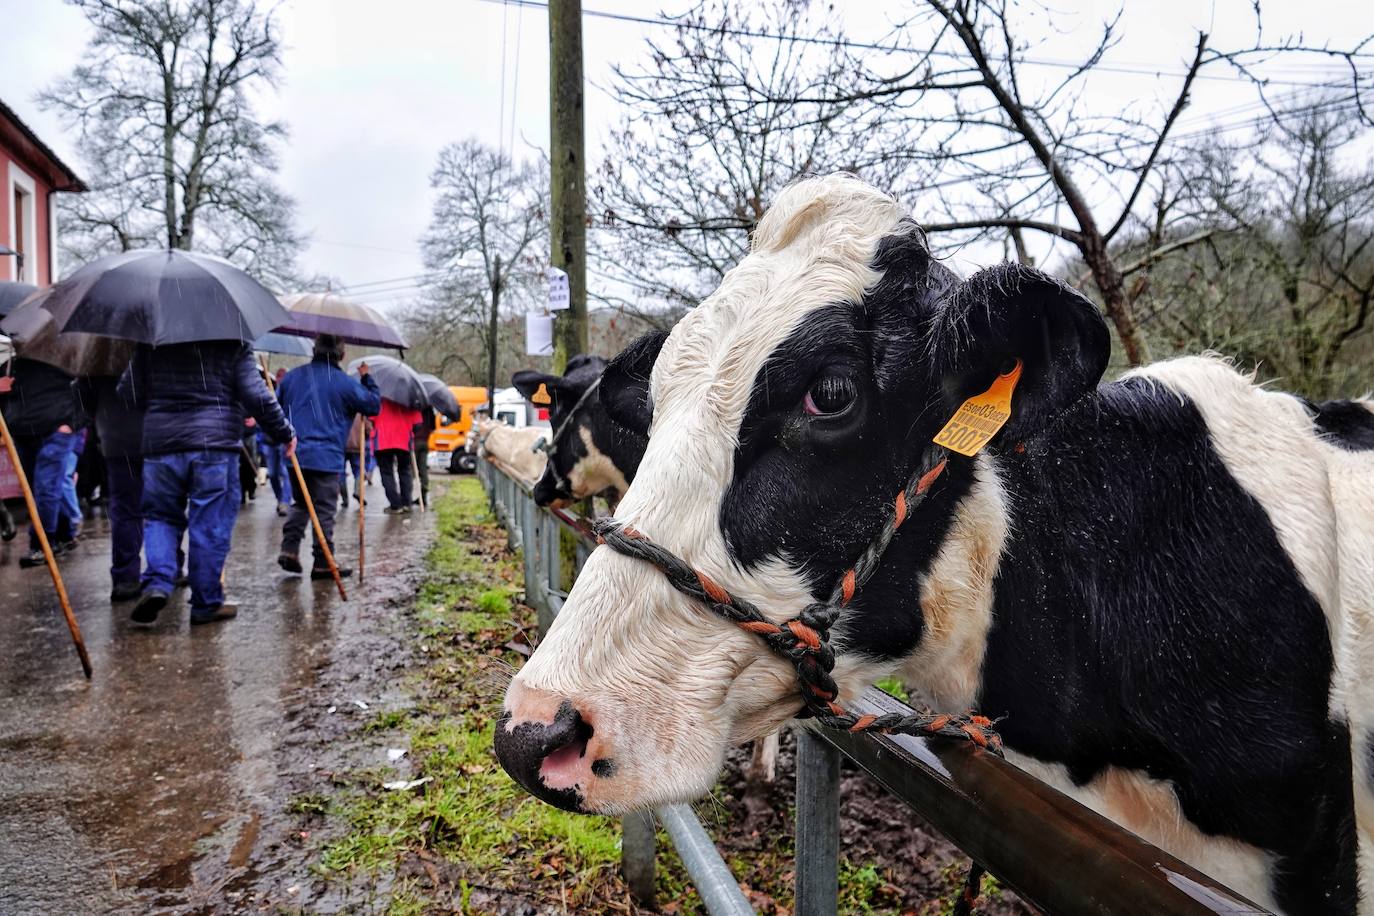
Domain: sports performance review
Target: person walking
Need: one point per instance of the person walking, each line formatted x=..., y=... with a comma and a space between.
x=194, y=397
x=321, y=400
x=359, y=445
x=43, y=414
x=119, y=436
x=394, y=428
x=428, y=423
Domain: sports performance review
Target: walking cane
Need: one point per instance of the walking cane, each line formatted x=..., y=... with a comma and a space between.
x=415, y=476
x=362, y=493
x=314, y=519
x=72, y=625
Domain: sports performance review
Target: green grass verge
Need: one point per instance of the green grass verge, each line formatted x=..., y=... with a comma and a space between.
x=470, y=817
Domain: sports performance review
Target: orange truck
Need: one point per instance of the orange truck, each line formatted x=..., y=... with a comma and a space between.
x=446, y=443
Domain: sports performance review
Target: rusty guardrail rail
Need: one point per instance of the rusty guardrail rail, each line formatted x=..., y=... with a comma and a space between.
x=1055, y=853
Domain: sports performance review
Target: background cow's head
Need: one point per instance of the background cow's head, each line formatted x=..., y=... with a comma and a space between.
x=783, y=415
x=589, y=453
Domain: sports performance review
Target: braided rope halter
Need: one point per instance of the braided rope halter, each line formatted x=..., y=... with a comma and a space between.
x=805, y=639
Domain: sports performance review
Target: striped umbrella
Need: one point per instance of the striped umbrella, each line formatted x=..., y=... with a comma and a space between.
x=313, y=314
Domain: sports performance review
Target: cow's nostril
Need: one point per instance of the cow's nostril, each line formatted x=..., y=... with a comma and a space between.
x=550, y=759
x=563, y=764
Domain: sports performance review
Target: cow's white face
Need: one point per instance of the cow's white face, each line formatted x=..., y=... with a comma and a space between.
x=784, y=415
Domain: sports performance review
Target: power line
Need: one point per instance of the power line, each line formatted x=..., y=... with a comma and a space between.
x=1142, y=69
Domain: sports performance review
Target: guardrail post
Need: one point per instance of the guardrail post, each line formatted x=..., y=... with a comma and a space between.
x=818, y=826
x=637, y=849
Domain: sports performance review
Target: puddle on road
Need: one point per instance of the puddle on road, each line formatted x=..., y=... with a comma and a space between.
x=160, y=781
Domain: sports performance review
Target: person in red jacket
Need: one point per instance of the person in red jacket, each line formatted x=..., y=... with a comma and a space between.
x=394, y=425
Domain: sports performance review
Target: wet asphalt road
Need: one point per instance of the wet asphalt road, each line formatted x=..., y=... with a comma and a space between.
x=147, y=788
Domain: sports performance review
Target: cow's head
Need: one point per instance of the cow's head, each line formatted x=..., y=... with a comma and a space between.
x=783, y=415
x=589, y=453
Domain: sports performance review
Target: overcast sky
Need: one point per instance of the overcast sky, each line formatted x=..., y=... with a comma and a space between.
x=373, y=90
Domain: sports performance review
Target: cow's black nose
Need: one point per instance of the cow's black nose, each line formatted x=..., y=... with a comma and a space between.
x=549, y=759
x=548, y=491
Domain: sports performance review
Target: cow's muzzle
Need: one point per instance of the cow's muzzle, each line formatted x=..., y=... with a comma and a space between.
x=553, y=756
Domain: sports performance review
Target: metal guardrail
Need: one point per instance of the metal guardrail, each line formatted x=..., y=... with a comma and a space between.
x=1054, y=852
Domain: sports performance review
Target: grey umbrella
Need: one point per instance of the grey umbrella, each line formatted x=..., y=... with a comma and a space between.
x=397, y=381
x=440, y=398
x=33, y=332
x=12, y=292
x=163, y=297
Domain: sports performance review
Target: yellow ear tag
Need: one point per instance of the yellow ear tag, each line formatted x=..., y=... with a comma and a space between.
x=980, y=417
x=541, y=396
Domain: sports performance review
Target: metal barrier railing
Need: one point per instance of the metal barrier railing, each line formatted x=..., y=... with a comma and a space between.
x=1054, y=852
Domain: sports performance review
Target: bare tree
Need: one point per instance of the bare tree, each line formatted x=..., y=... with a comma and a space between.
x=1009, y=150
x=163, y=103
x=714, y=128
x=486, y=246
x=1285, y=278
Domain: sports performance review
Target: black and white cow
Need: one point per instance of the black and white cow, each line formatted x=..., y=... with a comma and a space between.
x=1164, y=584
x=589, y=453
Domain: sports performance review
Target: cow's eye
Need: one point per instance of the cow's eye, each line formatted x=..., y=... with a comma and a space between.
x=829, y=395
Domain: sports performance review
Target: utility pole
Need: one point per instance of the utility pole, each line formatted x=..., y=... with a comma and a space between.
x=568, y=195
x=492, y=329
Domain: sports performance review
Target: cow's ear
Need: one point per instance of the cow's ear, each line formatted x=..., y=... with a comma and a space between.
x=1011, y=312
x=527, y=382
x=625, y=383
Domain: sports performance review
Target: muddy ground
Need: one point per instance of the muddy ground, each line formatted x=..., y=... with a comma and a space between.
x=240, y=768
x=163, y=784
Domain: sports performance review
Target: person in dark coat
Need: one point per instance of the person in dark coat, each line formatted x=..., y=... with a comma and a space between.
x=321, y=400
x=194, y=398
x=119, y=435
x=43, y=414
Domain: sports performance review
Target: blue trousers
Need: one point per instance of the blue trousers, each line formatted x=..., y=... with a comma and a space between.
x=124, y=504
x=195, y=492
x=279, y=472
x=71, y=506
x=45, y=462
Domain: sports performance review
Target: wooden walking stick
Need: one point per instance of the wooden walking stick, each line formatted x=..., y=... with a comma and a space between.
x=72, y=625
x=362, y=491
x=415, y=476
x=319, y=531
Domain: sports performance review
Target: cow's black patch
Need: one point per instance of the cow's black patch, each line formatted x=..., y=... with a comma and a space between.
x=1145, y=615
x=571, y=411
x=1346, y=424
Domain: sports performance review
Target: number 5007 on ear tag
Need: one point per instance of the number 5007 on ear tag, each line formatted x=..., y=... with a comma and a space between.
x=980, y=417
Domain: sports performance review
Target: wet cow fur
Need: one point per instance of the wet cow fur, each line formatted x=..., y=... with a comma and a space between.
x=1161, y=586
x=592, y=455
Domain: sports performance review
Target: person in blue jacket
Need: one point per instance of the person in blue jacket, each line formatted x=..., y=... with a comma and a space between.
x=321, y=400
x=194, y=397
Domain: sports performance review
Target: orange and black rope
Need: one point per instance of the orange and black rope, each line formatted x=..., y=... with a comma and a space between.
x=804, y=640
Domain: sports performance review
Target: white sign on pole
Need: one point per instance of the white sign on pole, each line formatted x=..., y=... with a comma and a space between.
x=538, y=334
x=560, y=293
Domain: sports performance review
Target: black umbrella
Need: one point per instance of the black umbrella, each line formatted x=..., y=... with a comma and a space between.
x=12, y=292
x=440, y=398
x=397, y=381
x=164, y=297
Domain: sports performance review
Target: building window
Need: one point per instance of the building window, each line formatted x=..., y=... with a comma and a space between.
x=23, y=225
